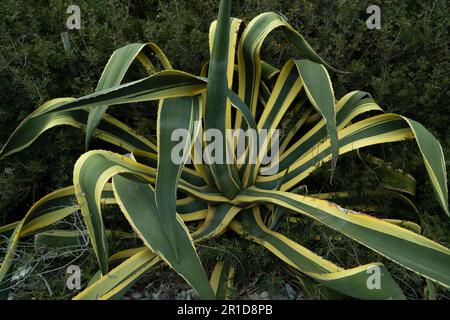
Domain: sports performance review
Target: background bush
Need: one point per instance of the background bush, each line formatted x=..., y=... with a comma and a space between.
x=405, y=65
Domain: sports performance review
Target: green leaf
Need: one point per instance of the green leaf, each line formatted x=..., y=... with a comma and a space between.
x=113, y=74
x=402, y=246
x=174, y=114
x=319, y=89
x=433, y=157
x=348, y=107
x=352, y=282
x=379, y=129
x=249, y=59
x=91, y=173
x=216, y=222
x=161, y=85
x=110, y=129
x=119, y=277
x=225, y=174
x=222, y=279
x=49, y=209
x=137, y=201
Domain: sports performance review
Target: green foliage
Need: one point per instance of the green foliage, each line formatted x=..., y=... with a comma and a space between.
x=391, y=63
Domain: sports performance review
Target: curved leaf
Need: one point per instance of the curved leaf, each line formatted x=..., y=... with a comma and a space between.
x=249, y=59
x=371, y=131
x=127, y=271
x=352, y=282
x=222, y=280
x=110, y=129
x=319, y=90
x=404, y=247
x=138, y=203
x=91, y=173
x=161, y=85
x=173, y=114
x=216, y=114
x=113, y=74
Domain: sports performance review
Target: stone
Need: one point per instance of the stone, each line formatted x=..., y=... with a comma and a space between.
x=290, y=291
x=264, y=295
x=193, y=294
x=148, y=294
x=253, y=296
x=184, y=286
x=156, y=295
x=300, y=297
x=136, y=295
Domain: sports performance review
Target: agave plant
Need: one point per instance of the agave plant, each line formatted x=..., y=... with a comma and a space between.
x=172, y=206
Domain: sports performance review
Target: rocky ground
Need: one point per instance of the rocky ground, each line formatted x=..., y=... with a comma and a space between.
x=184, y=292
